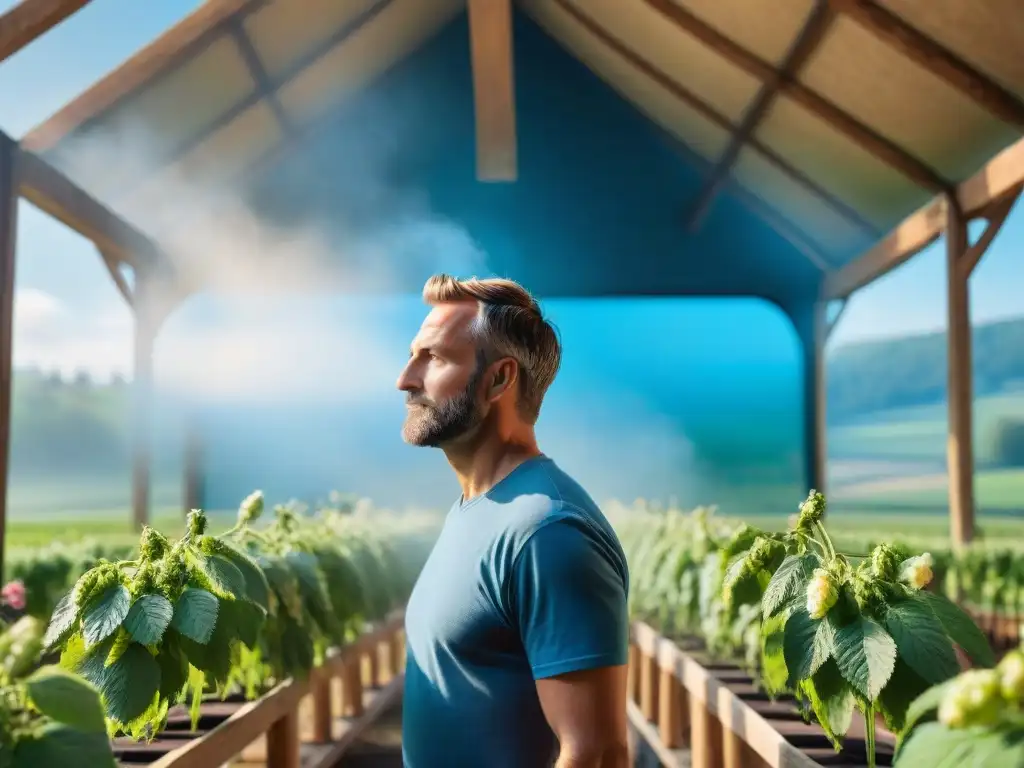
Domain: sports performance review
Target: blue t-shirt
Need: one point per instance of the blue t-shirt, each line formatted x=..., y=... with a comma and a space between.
x=525, y=582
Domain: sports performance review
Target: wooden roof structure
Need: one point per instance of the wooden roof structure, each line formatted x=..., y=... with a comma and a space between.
x=830, y=121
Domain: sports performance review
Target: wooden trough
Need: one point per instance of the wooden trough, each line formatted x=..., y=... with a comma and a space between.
x=299, y=724
x=693, y=713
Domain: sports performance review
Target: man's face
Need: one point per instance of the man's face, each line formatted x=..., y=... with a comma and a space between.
x=442, y=378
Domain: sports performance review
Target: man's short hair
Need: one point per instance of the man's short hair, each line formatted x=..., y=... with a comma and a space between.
x=510, y=324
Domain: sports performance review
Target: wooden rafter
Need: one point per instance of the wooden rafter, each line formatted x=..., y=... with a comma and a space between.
x=490, y=34
x=921, y=49
x=814, y=30
x=53, y=192
x=877, y=145
x=31, y=19
x=264, y=85
x=713, y=116
x=177, y=45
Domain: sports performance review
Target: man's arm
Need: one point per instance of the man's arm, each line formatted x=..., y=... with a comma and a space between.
x=570, y=604
x=587, y=712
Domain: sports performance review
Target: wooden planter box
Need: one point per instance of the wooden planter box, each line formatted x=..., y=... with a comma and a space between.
x=308, y=723
x=689, y=711
x=1002, y=629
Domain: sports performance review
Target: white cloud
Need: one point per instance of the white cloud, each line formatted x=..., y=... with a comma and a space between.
x=51, y=336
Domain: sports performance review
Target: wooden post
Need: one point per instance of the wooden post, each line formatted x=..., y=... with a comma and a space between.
x=812, y=327
x=283, y=742
x=323, y=714
x=633, y=673
x=648, y=686
x=142, y=385
x=8, y=235
x=703, y=752
x=373, y=678
x=352, y=686
x=959, y=440
x=669, y=706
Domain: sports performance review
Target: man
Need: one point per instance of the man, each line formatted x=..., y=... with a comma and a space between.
x=517, y=630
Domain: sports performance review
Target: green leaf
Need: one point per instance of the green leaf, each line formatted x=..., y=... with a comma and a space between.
x=788, y=580
x=226, y=575
x=58, y=746
x=960, y=627
x=66, y=698
x=246, y=619
x=130, y=684
x=807, y=645
x=832, y=700
x=104, y=613
x=63, y=619
x=195, y=614
x=256, y=587
x=774, y=674
x=173, y=667
x=148, y=618
x=865, y=654
x=903, y=688
x=926, y=703
x=935, y=746
x=921, y=641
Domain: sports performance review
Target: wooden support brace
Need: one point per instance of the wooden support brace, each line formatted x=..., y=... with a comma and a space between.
x=283, y=742
x=648, y=686
x=490, y=31
x=323, y=712
x=995, y=215
x=113, y=264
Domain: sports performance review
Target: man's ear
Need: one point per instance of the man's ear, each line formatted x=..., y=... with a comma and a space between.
x=503, y=377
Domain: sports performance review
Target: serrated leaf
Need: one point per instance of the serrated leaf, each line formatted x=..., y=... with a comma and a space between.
x=66, y=698
x=832, y=701
x=256, y=587
x=921, y=640
x=788, y=580
x=226, y=575
x=903, y=688
x=865, y=654
x=173, y=667
x=149, y=618
x=58, y=746
x=960, y=627
x=807, y=644
x=935, y=746
x=130, y=684
x=195, y=614
x=247, y=620
x=926, y=703
x=104, y=614
x=64, y=616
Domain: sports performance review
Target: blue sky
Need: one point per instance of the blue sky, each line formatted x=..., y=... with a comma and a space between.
x=70, y=316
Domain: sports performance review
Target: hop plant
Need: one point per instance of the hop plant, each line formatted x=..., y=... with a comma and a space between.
x=821, y=593
x=812, y=511
x=251, y=508
x=917, y=571
x=1011, y=676
x=973, y=699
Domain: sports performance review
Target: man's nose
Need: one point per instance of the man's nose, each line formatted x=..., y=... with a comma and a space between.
x=407, y=381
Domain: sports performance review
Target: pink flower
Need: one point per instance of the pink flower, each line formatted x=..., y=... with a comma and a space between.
x=13, y=593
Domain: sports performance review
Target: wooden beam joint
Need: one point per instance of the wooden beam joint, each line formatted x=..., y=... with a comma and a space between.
x=814, y=30
x=995, y=215
x=490, y=31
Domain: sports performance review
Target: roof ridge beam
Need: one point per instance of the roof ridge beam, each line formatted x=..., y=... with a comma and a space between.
x=29, y=20
x=842, y=122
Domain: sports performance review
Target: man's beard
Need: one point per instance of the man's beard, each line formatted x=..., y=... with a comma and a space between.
x=430, y=425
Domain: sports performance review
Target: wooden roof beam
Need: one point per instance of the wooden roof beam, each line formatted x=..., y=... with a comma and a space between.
x=842, y=122
x=490, y=33
x=264, y=85
x=985, y=194
x=51, y=191
x=31, y=19
x=944, y=64
x=718, y=119
x=806, y=43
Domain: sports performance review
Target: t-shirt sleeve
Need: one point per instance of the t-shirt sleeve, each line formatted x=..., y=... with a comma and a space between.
x=569, y=600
